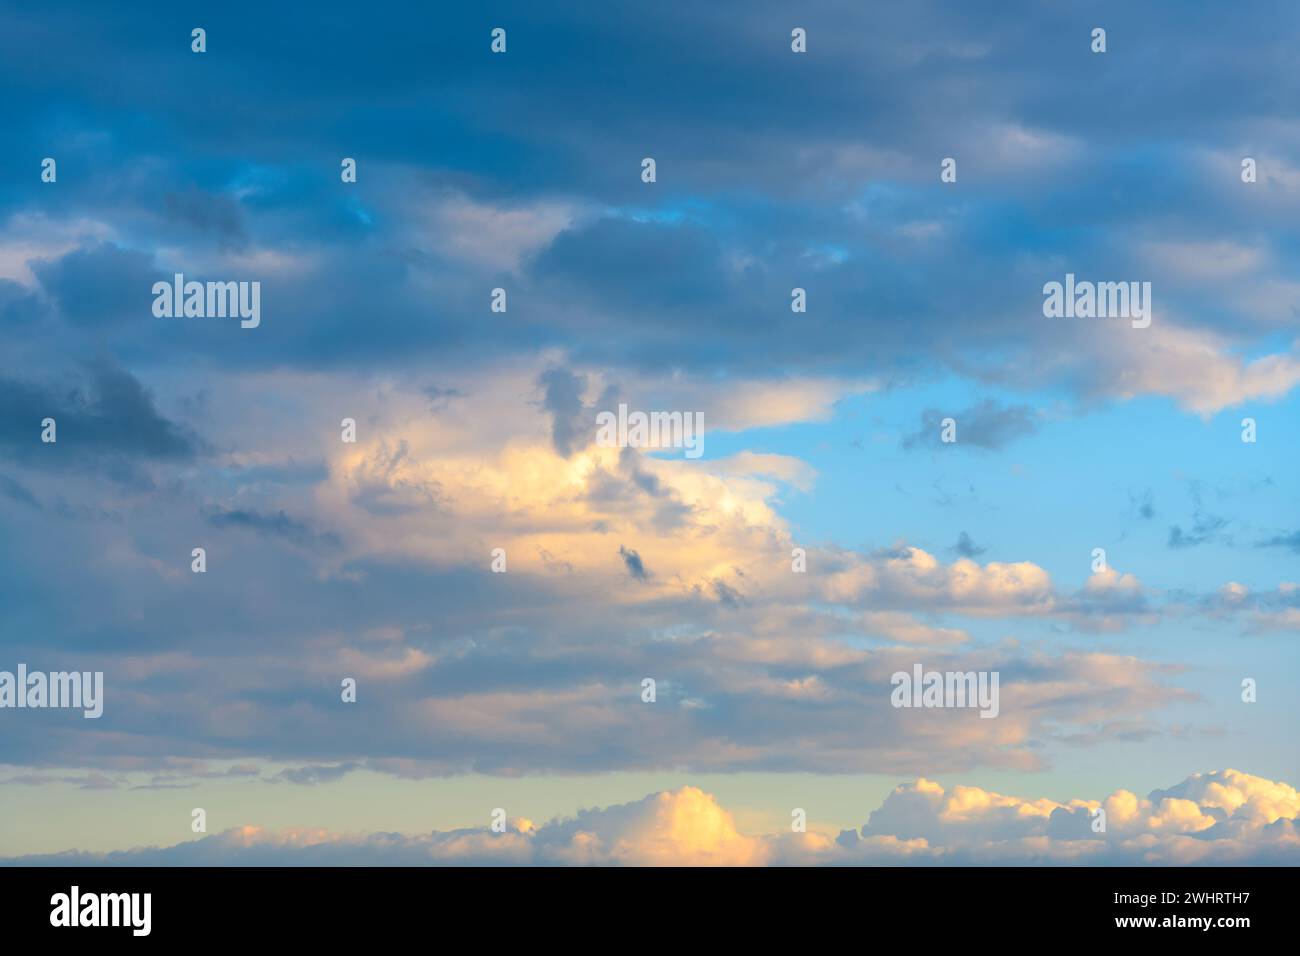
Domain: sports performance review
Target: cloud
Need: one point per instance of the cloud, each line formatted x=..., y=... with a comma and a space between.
x=99, y=285
x=573, y=424
x=966, y=547
x=1195, y=367
x=764, y=670
x=1143, y=505
x=206, y=213
x=1221, y=818
x=794, y=471
x=626, y=265
x=316, y=774
x=904, y=628
x=110, y=418
x=987, y=425
x=372, y=558
x=278, y=525
x=495, y=236
x=901, y=280
x=905, y=576
x=1289, y=541
x=635, y=566
x=1217, y=818
x=17, y=491
x=1205, y=527
x=1109, y=601
x=1262, y=611
x=1197, y=260
x=386, y=483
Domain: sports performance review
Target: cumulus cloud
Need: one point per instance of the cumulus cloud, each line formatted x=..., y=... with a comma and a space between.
x=1219, y=818
x=770, y=670
x=372, y=558
x=1222, y=817
x=909, y=576
x=1260, y=611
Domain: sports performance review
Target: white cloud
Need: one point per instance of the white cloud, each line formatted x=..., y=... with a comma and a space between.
x=1222, y=817
x=1195, y=367
x=487, y=235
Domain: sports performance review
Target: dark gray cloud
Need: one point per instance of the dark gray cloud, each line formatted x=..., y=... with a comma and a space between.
x=635, y=566
x=1143, y=505
x=103, y=418
x=966, y=546
x=638, y=266
x=217, y=215
x=570, y=420
x=313, y=775
x=988, y=425
x=19, y=306
x=17, y=491
x=727, y=594
x=573, y=424
x=439, y=397
x=277, y=525
x=1205, y=527
x=99, y=285
x=1289, y=541
x=763, y=184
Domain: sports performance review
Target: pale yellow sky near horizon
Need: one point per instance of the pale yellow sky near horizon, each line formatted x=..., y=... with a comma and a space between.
x=53, y=817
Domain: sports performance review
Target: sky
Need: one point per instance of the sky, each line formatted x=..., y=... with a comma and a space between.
x=498, y=583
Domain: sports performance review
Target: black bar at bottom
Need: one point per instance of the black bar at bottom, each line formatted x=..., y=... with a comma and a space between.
x=614, y=907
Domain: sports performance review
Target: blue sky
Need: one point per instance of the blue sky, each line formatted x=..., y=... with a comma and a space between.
x=775, y=170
